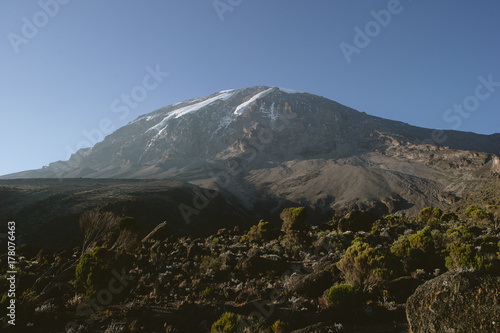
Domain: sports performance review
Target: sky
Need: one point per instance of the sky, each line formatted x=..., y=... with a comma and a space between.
x=73, y=71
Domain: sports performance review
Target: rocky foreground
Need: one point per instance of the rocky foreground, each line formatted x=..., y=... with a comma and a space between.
x=360, y=273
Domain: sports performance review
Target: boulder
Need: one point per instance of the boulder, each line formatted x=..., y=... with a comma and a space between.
x=357, y=221
x=260, y=265
x=311, y=285
x=402, y=288
x=457, y=301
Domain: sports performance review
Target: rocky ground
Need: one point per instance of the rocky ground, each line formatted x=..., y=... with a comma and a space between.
x=351, y=274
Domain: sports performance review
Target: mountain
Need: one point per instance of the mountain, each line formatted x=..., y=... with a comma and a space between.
x=271, y=146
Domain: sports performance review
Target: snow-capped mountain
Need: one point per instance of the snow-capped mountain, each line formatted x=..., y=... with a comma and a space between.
x=292, y=145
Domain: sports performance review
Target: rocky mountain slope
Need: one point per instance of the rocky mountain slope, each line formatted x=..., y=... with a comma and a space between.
x=269, y=142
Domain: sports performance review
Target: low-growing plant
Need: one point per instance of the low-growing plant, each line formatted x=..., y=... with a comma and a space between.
x=227, y=323
x=343, y=298
x=417, y=251
x=293, y=218
x=464, y=256
x=279, y=327
x=207, y=293
x=210, y=262
x=366, y=267
x=261, y=232
x=94, y=269
x=430, y=215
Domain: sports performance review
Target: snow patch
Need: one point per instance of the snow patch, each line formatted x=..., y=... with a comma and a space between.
x=223, y=95
x=290, y=91
x=242, y=107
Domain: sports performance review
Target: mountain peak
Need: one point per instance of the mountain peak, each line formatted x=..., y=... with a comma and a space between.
x=289, y=144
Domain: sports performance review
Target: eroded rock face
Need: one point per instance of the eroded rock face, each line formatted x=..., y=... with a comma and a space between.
x=457, y=301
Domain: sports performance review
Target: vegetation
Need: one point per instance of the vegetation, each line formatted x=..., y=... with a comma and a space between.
x=343, y=298
x=417, y=251
x=293, y=218
x=228, y=322
x=366, y=267
x=263, y=274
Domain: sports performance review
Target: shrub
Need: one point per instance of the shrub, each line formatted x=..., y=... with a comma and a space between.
x=343, y=298
x=417, y=251
x=448, y=217
x=94, y=271
x=228, y=322
x=279, y=327
x=293, y=218
x=207, y=293
x=430, y=215
x=261, y=232
x=208, y=262
x=490, y=239
x=464, y=256
x=365, y=267
x=461, y=234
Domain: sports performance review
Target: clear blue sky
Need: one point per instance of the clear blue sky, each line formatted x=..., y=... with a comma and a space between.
x=64, y=78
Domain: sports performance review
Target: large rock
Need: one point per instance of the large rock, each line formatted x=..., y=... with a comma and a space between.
x=457, y=301
x=312, y=285
x=357, y=221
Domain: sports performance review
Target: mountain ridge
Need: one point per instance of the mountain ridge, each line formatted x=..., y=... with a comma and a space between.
x=291, y=145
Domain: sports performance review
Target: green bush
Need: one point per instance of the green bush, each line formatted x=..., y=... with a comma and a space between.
x=262, y=232
x=293, y=218
x=344, y=298
x=207, y=293
x=490, y=239
x=430, y=215
x=478, y=214
x=364, y=267
x=210, y=262
x=279, y=327
x=464, y=256
x=448, y=217
x=94, y=271
x=460, y=235
x=228, y=322
x=417, y=251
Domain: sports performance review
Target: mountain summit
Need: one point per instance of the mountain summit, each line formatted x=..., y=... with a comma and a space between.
x=292, y=146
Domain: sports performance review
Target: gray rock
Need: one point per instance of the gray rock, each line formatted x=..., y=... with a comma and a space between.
x=457, y=301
